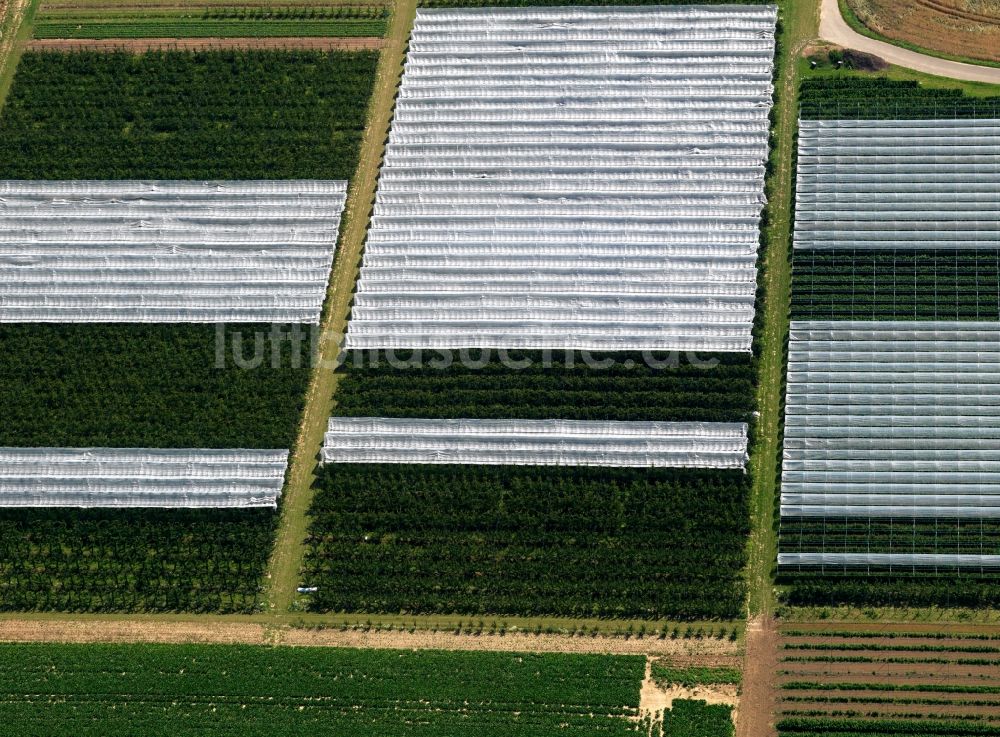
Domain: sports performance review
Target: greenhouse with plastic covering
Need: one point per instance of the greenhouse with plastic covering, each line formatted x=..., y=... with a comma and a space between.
x=135, y=477
x=572, y=177
x=898, y=184
x=536, y=442
x=892, y=429
x=167, y=251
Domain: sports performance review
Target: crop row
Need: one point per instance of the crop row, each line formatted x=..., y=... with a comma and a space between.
x=530, y=385
x=201, y=28
x=981, y=536
x=900, y=588
x=146, y=386
x=241, y=691
x=875, y=98
x=896, y=285
x=178, y=115
x=133, y=560
x=832, y=727
x=581, y=542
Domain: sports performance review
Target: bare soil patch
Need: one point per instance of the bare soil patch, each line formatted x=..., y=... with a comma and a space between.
x=967, y=28
x=139, y=45
x=759, y=700
x=206, y=630
x=917, y=678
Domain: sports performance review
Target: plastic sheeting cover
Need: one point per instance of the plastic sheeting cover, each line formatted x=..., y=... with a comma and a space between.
x=167, y=251
x=138, y=477
x=536, y=442
x=892, y=419
x=898, y=184
x=535, y=153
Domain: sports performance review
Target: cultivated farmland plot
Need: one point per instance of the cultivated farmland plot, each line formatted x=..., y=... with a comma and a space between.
x=891, y=450
x=183, y=191
x=556, y=179
x=572, y=178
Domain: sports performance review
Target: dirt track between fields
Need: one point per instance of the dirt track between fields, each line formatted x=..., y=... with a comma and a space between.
x=833, y=28
x=314, y=43
x=715, y=653
x=759, y=699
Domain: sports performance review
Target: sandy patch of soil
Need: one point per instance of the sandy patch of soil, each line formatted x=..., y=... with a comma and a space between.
x=759, y=701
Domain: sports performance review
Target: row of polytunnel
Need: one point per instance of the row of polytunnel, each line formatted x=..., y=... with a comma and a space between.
x=567, y=154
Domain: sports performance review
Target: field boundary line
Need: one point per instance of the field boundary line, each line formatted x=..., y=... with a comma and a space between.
x=278, y=43
x=15, y=28
x=289, y=550
x=714, y=653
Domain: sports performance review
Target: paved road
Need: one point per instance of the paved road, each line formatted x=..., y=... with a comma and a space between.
x=833, y=28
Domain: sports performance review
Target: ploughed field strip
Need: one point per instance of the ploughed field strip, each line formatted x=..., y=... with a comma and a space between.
x=167, y=251
x=96, y=477
x=582, y=177
x=851, y=681
x=535, y=442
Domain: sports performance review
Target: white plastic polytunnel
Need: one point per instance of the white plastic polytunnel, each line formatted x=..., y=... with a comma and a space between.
x=139, y=477
x=536, y=442
x=898, y=184
x=889, y=560
x=167, y=251
x=546, y=158
x=892, y=419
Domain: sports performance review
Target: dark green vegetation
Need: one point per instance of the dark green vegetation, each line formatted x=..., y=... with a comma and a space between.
x=614, y=386
x=687, y=718
x=219, y=115
x=229, y=691
x=145, y=386
x=178, y=115
x=889, y=535
x=896, y=285
x=876, y=98
x=672, y=675
x=900, y=588
x=133, y=560
x=512, y=540
x=865, y=684
x=116, y=21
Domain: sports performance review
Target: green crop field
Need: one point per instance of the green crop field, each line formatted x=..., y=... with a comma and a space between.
x=229, y=691
x=218, y=115
x=136, y=560
x=109, y=19
x=175, y=115
x=613, y=386
x=579, y=542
